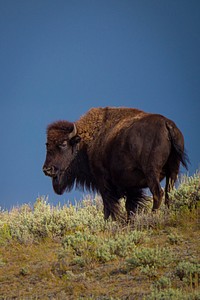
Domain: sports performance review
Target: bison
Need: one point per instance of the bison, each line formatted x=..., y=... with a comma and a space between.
x=116, y=152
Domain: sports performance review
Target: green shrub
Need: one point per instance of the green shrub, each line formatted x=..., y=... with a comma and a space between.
x=5, y=234
x=174, y=239
x=101, y=247
x=189, y=273
x=152, y=257
x=26, y=223
x=162, y=283
x=149, y=271
x=172, y=294
x=187, y=194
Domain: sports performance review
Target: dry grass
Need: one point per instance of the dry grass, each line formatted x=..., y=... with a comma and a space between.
x=69, y=252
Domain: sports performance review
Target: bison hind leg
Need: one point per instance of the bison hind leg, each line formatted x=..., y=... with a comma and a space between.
x=156, y=190
x=170, y=181
x=172, y=170
x=157, y=197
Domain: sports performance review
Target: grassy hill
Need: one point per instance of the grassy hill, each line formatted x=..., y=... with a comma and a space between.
x=70, y=252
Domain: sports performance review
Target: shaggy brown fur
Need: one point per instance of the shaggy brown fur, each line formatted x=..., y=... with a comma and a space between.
x=117, y=152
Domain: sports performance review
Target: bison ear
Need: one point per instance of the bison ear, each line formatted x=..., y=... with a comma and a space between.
x=75, y=140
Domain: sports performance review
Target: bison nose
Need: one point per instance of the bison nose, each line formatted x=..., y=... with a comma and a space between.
x=50, y=171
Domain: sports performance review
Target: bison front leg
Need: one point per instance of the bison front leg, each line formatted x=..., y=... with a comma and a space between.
x=106, y=211
x=111, y=205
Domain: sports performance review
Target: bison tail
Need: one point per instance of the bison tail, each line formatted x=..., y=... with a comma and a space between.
x=177, y=141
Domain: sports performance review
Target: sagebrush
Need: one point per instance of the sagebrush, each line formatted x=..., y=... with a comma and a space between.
x=70, y=252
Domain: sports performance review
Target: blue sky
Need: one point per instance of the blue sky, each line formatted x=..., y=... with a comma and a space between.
x=60, y=58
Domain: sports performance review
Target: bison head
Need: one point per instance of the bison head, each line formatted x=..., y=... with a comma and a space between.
x=61, y=149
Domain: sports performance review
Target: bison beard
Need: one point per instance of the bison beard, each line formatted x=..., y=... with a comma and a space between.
x=116, y=152
x=77, y=174
x=59, y=184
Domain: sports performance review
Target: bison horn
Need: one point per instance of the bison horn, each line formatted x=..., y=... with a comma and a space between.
x=73, y=133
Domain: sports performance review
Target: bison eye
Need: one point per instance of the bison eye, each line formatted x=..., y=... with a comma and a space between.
x=63, y=144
